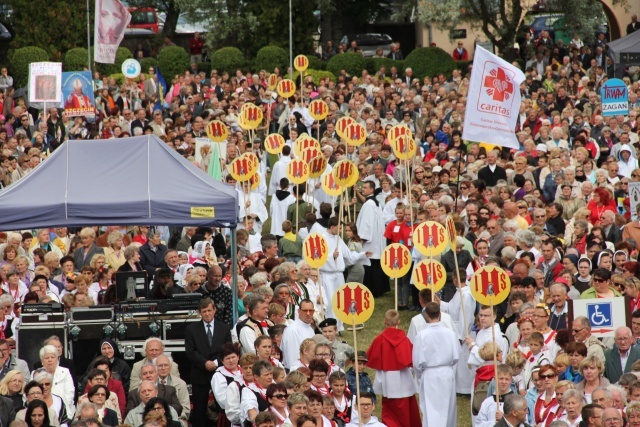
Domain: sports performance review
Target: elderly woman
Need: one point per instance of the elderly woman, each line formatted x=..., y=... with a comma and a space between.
x=83, y=255
x=98, y=395
x=632, y=290
x=11, y=387
x=282, y=296
x=60, y=381
x=114, y=252
x=33, y=391
x=572, y=403
x=601, y=201
x=582, y=214
x=592, y=369
x=277, y=397
x=289, y=276
x=633, y=414
x=132, y=259
x=53, y=401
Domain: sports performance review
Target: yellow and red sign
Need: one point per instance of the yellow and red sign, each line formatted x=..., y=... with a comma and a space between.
x=490, y=285
x=430, y=238
x=396, y=131
x=301, y=63
x=341, y=125
x=298, y=171
x=404, y=147
x=355, y=134
x=318, y=109
x=304, y=142
x=317, y=167
x=255, y=181
x=252, y=115
x=286, y=88
x=450, y=225
x=244, y=167
x=315, y=250
x=330, y=186
x=274, y=143
x=217, y=131
x=345, y=173
x=308, y=154
x=396, y=260
x=353, y=303
x=272, y=81
x=429, y=272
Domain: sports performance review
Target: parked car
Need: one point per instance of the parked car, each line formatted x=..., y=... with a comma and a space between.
x=369, y=42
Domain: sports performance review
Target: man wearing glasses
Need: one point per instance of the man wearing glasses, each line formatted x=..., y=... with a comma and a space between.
x=297, y=332
x=581, y=331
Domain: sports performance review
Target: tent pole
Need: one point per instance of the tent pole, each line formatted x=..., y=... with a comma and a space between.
x=234, y=275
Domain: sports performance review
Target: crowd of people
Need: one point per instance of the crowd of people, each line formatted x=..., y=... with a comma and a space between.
x=557, y=214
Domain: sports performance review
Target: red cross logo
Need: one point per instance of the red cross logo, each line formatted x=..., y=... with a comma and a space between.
x=498, y=85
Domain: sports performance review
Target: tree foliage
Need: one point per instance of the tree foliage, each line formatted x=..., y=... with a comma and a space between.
x=55, y=25
x=173, y=60
x=429, y=61
x=502, y=20
x=353, y=63
x=270, y=57
x=20, y=60
x=227, y=59
x=253, y=25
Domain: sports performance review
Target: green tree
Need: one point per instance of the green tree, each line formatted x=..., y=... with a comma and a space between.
x=56, y=26
x=502, y=20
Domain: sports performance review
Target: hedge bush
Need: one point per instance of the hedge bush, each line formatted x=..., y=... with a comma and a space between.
x=463, y=66
x=75, y=59
x=270, y=57
x=173, y=60
x=20, y=61
x=119, y=78
x=146, y=63
x=374, y=64
x=429, y=61
x=206, y=67
x=315, y=63
x=316, y=74
x=352, y=62
x=122, y=54
x=227, y=59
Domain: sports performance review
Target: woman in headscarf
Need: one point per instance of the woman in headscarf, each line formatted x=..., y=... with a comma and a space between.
x=119, y=368
x=202, y=255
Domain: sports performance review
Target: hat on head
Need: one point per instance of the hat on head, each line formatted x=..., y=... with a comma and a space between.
x=164, y=272
x=436, y=169
x=327, y=322
x=542, y=147
x=362, y=356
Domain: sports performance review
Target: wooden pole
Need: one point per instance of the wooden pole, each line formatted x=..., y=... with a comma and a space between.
x=396, y=292
x=454, y=246
x=355, y=368
x=495, y=356
x=322, y=307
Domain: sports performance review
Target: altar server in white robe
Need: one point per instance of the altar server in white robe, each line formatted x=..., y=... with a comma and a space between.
x=316, y=190
x=251, y=204
x=464, y=376
x=371, y=230
x=338, y=259
x=279, y=170
x=487, y=413
x=435, y=354
x=419, y=321
x=280, y=202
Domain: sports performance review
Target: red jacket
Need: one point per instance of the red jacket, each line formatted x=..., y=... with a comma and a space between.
x=457, y=56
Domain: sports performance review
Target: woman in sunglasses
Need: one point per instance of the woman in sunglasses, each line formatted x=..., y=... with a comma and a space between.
x=277, y=397
x=600, y=285
x=546, y=404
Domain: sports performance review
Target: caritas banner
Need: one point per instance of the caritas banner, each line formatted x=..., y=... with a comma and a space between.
x=493, y=101
x=77, y=94
x=111, y=21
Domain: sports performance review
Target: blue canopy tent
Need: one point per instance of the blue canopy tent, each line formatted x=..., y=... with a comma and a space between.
x=128, y=181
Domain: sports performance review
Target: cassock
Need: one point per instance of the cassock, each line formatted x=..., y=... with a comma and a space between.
x=371, y=230
x=257, y=208
x=390, y=354
x=435, y=354
x=292, y=337
x=278, y=210
x=332, y=271
x=418, y=323
x=464, y=376
x=278, y=172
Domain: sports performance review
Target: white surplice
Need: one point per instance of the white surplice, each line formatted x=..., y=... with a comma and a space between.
x=278, y=211
x=256, y=207
x=435, y=354
x=292, y=337
x=418, y=323
x=278, y=172
x=371, y=229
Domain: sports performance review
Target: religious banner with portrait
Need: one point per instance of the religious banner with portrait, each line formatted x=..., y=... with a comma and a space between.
x=77, y=94
x=111, y=21
x=44, y=81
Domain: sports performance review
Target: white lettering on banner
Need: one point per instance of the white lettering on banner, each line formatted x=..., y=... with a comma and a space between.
x=493, y=101
x=615, y=106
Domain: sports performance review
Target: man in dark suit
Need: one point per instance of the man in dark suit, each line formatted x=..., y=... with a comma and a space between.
x=202, y=342
x=634, y=25
x=611, y=231
x=515, y=412
x=141, y=120
x=149, y=372
x=613, y=368
x=7, y=413
x=491, y=173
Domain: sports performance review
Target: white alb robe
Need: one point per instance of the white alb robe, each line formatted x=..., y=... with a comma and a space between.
x=371, y=229
x=418, y=323
x=487, y=414
x=292, y=337
x=278, y=212
x=278, y=172
x=256, y=207
x=435, y=354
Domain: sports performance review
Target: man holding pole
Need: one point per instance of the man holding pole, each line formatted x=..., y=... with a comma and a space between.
x=435, y=354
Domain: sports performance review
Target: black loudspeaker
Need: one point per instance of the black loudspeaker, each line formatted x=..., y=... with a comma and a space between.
x=32, y=336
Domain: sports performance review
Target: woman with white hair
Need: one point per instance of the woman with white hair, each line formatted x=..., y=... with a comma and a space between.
x=54, y=401
x=60, y=382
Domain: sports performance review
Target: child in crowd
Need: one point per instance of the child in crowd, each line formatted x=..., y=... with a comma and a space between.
x=561, y=363
x=537, y=358
x=365, y=381
x=487, y=414
x=342, y=398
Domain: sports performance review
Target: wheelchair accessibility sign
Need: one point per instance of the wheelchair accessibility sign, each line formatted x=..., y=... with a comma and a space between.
x=605, y=315
x=599, y=315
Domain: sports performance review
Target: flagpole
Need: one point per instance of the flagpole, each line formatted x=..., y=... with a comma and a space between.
x=89, y=38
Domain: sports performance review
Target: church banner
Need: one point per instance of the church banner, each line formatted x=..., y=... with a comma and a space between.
x=493, y=101
x=77, y=94
x=111, y=21
x=44, y=81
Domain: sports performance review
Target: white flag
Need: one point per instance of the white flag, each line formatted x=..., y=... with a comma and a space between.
x=493, y=101
x=111, y=21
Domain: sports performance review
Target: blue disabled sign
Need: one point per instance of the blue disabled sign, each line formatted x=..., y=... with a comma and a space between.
x=599, y=314
x=615, y=98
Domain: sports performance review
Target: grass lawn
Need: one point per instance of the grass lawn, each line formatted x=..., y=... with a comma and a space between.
x=373, y=328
